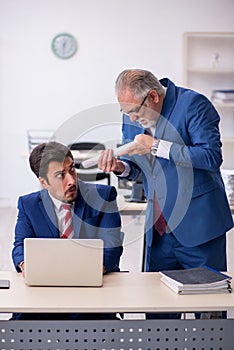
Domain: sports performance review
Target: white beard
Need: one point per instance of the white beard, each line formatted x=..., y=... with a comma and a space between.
x=147, y=123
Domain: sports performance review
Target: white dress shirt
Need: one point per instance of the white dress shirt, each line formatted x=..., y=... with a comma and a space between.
x=60, y=213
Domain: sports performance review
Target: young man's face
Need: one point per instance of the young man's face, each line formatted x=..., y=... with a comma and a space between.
x=61, y=180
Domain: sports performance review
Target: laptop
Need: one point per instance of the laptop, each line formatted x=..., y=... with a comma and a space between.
x=63, y=262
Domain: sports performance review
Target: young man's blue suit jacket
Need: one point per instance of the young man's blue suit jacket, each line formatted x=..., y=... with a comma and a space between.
x=189, y=187
x=95, y=216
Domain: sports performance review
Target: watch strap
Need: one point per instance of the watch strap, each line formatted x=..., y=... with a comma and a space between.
x=154, y=147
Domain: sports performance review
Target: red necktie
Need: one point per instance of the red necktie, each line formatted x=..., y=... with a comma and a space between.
x=159, y=220
x=67, y=224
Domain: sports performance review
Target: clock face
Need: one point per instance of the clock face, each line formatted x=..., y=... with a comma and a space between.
x=64, y=45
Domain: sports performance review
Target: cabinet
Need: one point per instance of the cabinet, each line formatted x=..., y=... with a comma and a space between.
x=209, y=65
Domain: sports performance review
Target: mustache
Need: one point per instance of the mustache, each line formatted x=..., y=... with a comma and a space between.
x=71, y=188
x=148, y=123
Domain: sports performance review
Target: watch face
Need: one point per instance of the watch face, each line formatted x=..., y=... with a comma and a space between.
x=64, y=45
x=153, y=151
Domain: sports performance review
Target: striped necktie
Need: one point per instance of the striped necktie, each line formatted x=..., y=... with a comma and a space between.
x=68, y=231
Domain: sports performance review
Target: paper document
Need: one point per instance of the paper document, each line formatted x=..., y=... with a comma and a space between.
x=117, y=151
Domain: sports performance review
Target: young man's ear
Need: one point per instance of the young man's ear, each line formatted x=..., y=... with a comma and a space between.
x=43, y=182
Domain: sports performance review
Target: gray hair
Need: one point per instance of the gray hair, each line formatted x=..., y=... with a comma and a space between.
x=138, y=81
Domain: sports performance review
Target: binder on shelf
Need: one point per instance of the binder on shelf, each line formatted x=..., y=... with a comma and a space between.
x=226, y=95
x=199, y=280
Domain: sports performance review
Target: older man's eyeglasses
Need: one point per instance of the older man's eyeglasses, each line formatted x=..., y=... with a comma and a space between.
x=137, y=109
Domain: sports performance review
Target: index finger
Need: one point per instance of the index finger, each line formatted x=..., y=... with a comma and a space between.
x=105, y=160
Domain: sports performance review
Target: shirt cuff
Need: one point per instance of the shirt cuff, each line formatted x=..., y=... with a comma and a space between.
x=126, y=171
x=164, y=149
x=20, y=265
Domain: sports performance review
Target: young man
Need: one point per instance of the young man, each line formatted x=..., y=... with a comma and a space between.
x=93, y=207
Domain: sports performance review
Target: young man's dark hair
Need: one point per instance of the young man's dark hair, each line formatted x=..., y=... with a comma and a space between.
x=43, y=154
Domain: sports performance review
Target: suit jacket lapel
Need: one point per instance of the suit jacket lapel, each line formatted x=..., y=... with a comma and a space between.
x=79, y=207
x=148, y=157
x=47, y=209
x=168, y=106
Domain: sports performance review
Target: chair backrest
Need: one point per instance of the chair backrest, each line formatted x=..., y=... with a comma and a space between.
x=84, y=150
x=86, y=146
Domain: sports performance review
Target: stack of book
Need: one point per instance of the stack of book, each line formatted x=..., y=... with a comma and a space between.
x=197, y=281
x=223, y=96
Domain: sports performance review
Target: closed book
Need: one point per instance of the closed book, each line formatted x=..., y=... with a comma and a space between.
x=197, y=280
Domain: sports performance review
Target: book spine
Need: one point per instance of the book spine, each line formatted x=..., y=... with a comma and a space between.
x=220, y=273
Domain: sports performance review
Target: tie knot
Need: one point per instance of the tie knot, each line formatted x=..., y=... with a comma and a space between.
x=66, y=207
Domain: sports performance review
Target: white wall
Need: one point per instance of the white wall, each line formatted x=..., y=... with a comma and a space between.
x=39, y=91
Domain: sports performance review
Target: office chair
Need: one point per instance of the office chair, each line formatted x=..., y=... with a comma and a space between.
x=85, y=150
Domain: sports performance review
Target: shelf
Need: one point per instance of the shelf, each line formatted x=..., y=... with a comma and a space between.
x=210, y=71
x=210, y=35
x=208, y=66
x=223, y=105
x=227, y=140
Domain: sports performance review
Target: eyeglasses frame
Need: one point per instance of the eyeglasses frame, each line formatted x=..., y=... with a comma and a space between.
x=138, y=108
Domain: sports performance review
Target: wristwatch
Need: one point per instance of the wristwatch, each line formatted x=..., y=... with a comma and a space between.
x=154, y=147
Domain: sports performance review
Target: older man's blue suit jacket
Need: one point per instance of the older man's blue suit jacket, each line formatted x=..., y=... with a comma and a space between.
x=189, y=187
x=95, y=216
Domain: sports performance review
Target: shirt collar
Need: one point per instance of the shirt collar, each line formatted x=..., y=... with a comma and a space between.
x=57, y=203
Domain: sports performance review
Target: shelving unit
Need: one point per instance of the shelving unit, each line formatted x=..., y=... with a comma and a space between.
x=208, y=66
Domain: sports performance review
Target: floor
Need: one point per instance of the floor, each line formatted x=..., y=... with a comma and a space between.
x=133, y=227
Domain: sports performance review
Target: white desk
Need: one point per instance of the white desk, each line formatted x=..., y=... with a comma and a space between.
x=121, y=292
x=130, y=208
x=126, y=292
x=133, y=208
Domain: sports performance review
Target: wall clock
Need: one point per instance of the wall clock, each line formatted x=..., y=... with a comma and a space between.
x=64, y=45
